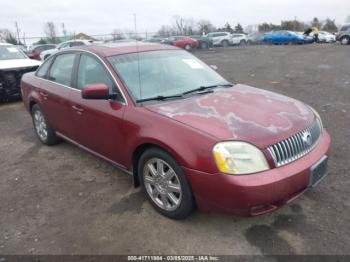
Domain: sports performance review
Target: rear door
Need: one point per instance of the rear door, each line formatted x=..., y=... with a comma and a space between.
x=55, y=90
x=98, y=123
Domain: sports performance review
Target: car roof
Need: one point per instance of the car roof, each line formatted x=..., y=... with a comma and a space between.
x=5, y=44
x=111, y=49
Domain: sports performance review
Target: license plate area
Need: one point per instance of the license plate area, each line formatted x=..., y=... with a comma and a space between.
x=318, y=171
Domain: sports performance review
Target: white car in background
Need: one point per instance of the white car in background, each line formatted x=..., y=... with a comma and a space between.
x=223, y=39
x=13, y=64
x=45, y=54
x=239, y=39
x=326, y=37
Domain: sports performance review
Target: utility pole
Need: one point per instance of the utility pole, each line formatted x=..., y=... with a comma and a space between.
x=135, y=26
x=17, y=29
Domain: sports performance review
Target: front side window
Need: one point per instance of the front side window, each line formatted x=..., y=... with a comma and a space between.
x=92, y=71
x=42, y=71
x=163, y=73
x=62, y=69
x=9, y=52
x=345, y=28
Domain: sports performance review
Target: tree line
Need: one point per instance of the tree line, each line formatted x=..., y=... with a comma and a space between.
x=179, y=26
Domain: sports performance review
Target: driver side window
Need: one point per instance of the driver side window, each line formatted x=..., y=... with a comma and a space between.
x=92, y=71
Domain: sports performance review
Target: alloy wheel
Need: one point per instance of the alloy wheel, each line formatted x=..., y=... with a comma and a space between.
x=162, y=184
x=40, y=125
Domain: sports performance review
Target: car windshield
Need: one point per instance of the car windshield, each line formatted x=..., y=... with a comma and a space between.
x=163, y=73
x=9, y=52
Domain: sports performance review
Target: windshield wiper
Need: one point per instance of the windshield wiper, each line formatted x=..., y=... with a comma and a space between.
x=160, y=98
x=203, y=88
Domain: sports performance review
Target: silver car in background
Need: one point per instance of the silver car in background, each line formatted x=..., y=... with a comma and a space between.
x=45, y=54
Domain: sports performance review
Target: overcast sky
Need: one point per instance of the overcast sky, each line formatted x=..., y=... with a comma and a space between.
x=101, y=16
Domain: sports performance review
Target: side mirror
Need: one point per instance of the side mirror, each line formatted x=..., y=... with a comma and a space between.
x=215, y=67
x=96, y=91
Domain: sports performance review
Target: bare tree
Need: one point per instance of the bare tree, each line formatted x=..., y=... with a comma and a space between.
x=50, y=32
x=9, y=37
x=184, y=26
x=166, y=31
x=205, y=26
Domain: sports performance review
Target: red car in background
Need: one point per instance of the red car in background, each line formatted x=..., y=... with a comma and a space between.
x=35, y=51
x=187, y=135
x=183, y=42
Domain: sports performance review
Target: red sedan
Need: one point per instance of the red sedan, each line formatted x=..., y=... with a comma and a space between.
x=186, y=135
x=183, y=42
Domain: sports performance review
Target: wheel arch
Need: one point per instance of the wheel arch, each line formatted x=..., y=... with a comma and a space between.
x=143, y=147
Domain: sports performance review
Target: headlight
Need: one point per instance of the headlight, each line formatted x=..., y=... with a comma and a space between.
x=317, y=117
x=238, y=158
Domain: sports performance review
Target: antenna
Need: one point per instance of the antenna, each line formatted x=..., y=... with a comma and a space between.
x=138, y=56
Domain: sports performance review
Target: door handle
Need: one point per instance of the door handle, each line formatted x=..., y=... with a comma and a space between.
x=79, y=109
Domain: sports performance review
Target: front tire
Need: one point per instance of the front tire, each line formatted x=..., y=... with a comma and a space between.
x=165, y=184
x=204, y=45
x=188, y=47
x=242, y=43
x=345, y=40
x=44, y=132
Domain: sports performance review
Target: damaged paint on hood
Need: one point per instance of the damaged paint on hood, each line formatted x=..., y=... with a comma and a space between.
x=240, y=113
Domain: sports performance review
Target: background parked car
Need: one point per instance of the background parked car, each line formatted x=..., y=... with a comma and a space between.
x=220, y=38
x=343, y=36
x=184, y=42
x=283, y=37
x=203, y=41
x=255, y=38
x=307, y=38
x=35, y=51
x=45, y=54
x=13, y=64
x=153, y=40
x=239, y=39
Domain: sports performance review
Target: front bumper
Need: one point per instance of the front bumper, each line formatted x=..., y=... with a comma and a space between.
x=256, y=194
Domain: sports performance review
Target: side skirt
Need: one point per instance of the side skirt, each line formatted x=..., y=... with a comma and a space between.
x=117, y=165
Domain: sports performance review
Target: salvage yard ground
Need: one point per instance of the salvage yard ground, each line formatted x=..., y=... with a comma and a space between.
x=62, y=200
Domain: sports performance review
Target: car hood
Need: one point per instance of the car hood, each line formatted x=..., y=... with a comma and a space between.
x=243, y=113
x=18, y=63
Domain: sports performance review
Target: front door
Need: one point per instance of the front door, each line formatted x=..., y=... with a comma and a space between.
x=98, y=123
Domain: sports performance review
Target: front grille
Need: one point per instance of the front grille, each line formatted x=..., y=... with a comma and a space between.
x=296, y=146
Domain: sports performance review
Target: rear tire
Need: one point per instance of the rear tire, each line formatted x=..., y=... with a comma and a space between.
x=44, y=132
x=165, y=184
x=225, y=43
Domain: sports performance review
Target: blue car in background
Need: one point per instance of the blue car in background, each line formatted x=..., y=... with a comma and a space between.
x=283, y=37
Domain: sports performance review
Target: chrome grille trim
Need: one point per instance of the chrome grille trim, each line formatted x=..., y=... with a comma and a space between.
x=296, y=146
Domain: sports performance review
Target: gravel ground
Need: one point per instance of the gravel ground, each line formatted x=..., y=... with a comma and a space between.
x=62, y=200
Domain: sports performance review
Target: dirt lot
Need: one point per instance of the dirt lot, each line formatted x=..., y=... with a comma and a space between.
x=62, y=200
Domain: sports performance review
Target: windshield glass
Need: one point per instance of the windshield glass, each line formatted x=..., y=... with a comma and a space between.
x=163, y=73
x=9, y=52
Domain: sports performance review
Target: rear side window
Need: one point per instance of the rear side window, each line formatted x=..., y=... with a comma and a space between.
x=62, y=69
x=92, y=71
x=76, y=43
